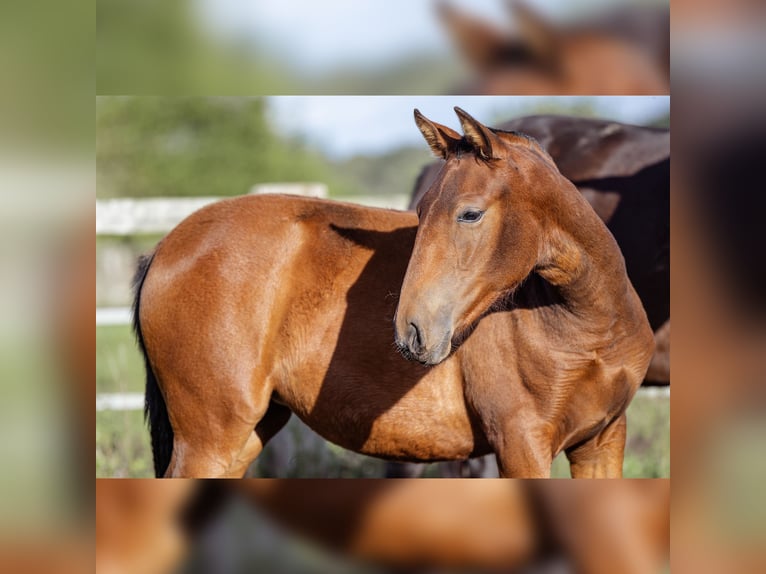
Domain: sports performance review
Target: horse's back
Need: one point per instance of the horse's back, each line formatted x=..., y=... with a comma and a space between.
x=234, y=261
x=251, y=238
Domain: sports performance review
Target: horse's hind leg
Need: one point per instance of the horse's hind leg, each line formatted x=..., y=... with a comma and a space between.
x=224, y=441
x=602, y=455
x=271, y=423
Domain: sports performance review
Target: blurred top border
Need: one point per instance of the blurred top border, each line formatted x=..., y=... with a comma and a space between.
x=519, y=47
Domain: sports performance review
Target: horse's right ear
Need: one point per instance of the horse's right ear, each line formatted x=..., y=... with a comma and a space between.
x=441, y=139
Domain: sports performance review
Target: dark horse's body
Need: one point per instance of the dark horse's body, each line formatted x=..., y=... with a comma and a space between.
x=256, y=307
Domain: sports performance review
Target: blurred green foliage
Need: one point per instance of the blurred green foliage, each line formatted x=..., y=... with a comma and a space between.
x=391, y=172
x=119, y=368
x=152, y=147
x=172, y=48
x=418, y=74
x=195, y=146
x=148, y=47
x=122, y=445
x=46, y=61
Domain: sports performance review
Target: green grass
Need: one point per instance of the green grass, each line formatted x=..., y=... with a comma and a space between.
x=122, y=440
x=119, y=367
x=122, y=445
x=647, y=453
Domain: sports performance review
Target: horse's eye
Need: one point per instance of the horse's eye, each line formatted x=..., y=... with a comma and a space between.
x=470, y=216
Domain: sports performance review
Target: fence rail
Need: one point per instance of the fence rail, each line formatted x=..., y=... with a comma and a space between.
x=119, y=402
x=128, y=216
x=135, y=401
x=106, y=316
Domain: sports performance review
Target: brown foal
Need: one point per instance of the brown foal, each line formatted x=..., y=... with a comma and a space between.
x=531, y=337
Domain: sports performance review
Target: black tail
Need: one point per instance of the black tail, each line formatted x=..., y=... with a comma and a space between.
x=155, y=411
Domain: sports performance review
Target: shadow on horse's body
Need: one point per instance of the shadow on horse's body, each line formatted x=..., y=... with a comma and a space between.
x=256, y=307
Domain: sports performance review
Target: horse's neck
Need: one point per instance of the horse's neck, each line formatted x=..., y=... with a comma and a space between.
x=581, y=258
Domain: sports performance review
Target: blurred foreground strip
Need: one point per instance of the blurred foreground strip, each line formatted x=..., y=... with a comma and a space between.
x=719, y=287
x=377, y=525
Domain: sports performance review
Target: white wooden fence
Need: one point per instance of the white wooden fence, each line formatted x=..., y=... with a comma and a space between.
x=127, y=216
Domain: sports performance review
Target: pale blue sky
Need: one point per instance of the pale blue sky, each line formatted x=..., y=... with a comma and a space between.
x=319, y=34
x=346, y=125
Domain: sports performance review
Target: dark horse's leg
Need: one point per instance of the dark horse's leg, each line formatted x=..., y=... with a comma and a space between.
x=404, y=469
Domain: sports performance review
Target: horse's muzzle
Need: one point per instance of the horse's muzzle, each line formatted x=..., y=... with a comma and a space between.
x=412, y=344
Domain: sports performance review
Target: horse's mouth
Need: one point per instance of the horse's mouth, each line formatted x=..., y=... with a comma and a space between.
x=405, y=352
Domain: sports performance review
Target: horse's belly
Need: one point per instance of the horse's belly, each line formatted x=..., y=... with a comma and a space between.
x=407, y=437
x=399, y=410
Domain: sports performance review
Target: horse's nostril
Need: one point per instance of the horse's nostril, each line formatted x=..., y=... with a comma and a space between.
x=415, y=339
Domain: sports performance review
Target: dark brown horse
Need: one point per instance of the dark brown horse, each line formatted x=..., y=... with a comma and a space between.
x=622, y=51
x=256, y=307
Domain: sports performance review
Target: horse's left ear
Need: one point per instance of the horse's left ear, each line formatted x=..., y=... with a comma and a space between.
x=482, y=139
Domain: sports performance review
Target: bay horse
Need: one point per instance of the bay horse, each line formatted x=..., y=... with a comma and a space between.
x=257, y=307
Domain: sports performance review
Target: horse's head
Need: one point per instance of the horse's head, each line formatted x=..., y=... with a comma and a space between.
x=482, y=227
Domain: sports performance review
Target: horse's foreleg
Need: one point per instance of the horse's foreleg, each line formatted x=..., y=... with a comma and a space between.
x=522, y=453
x=602, y=455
